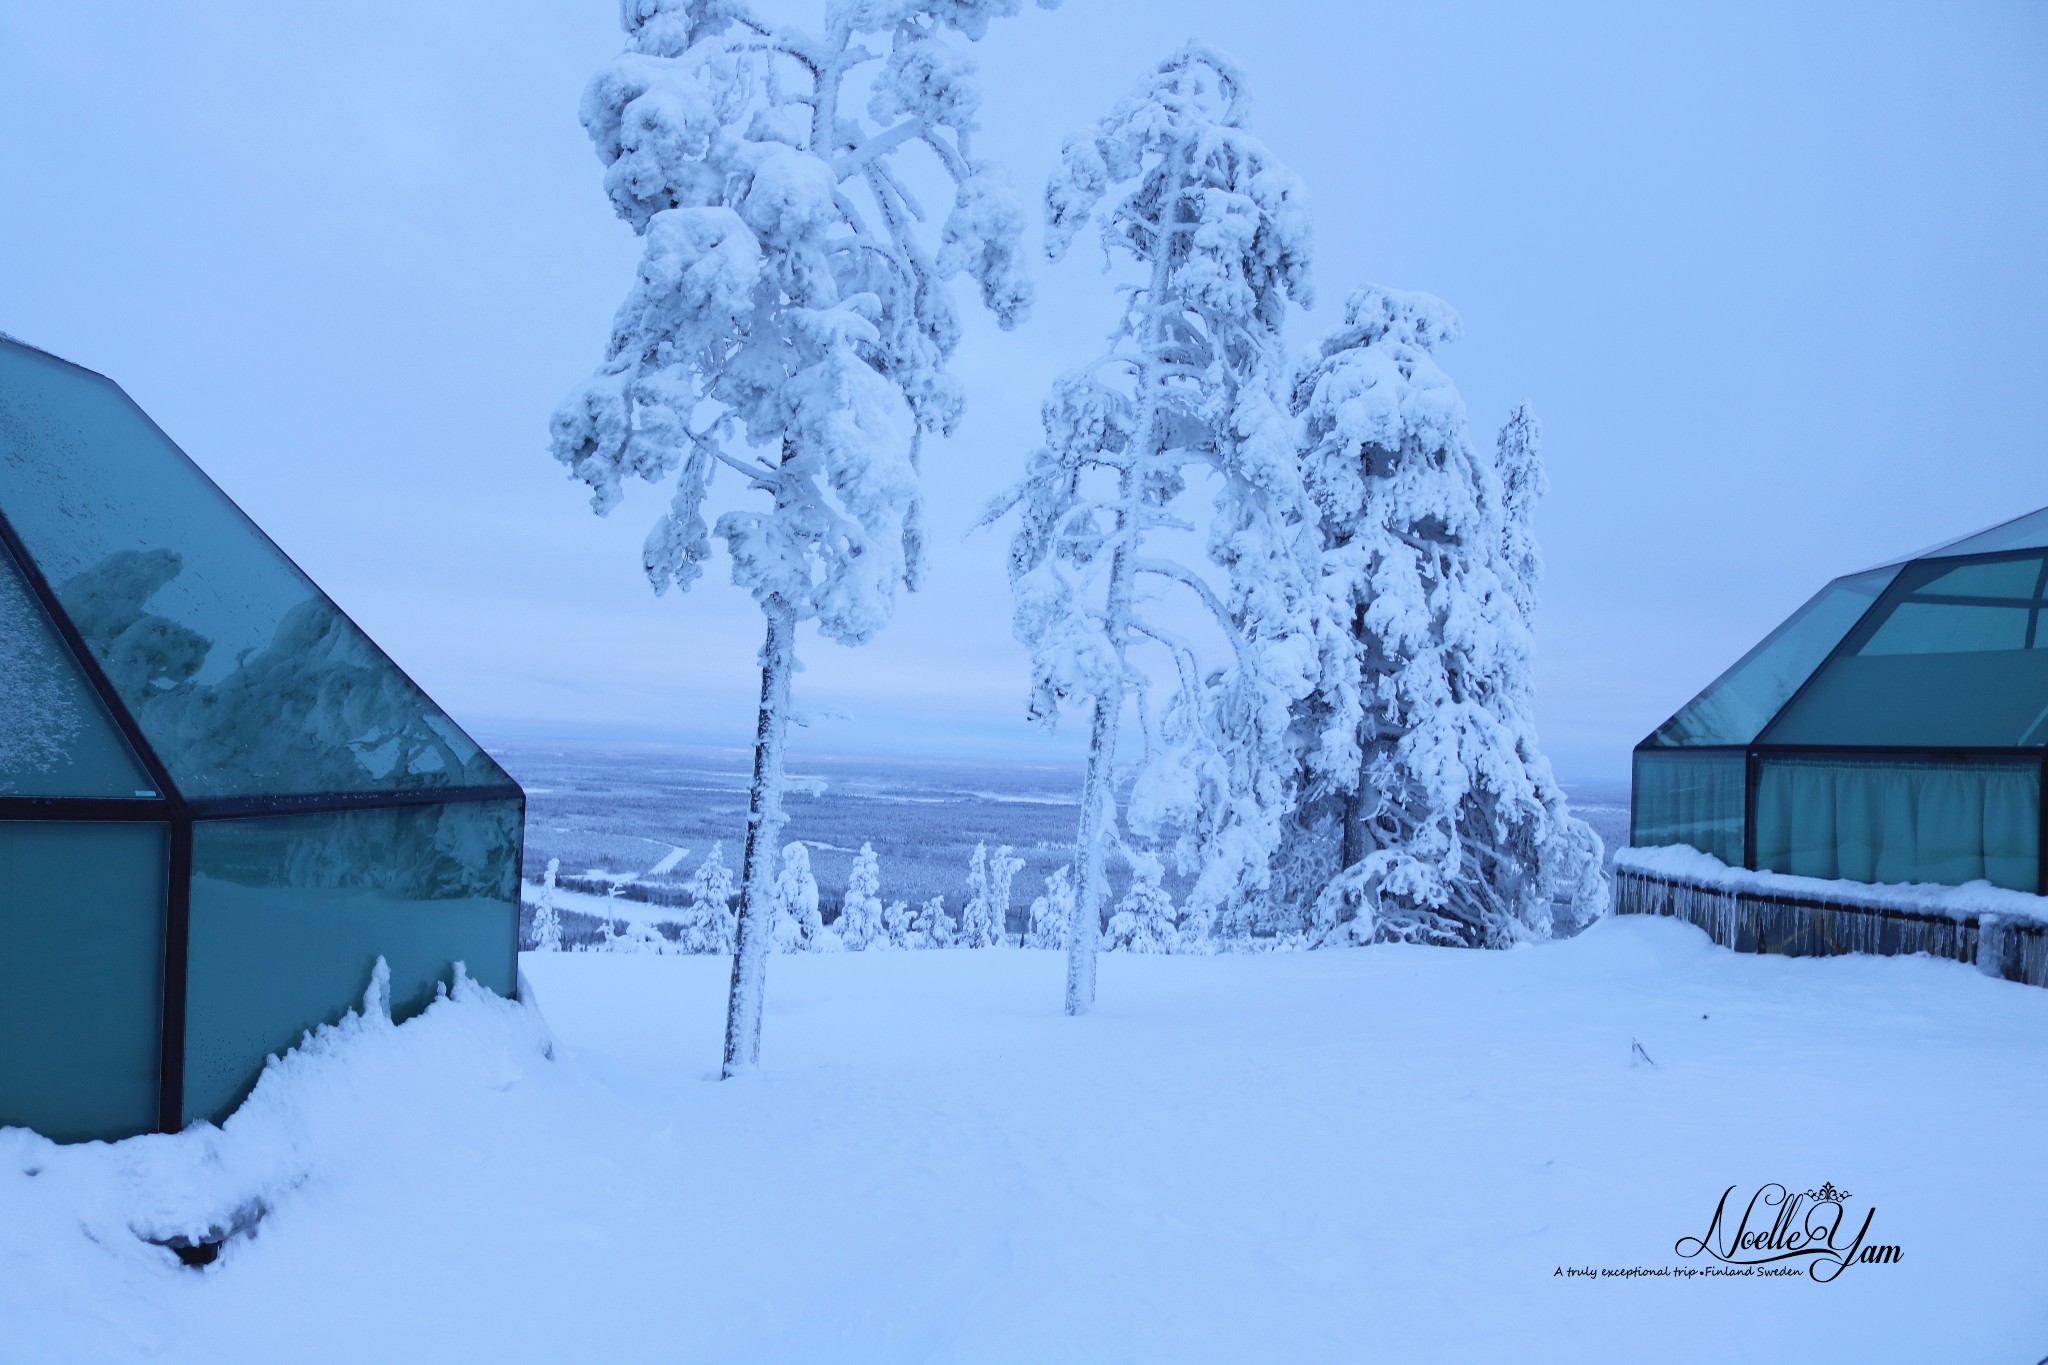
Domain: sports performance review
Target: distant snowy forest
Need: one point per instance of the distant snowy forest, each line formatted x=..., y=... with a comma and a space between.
x=1280, y=580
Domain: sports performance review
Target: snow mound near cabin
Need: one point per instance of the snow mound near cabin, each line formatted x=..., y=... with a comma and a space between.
x=327, y=1115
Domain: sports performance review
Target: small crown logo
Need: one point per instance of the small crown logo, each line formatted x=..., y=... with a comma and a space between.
x=1827, y=1194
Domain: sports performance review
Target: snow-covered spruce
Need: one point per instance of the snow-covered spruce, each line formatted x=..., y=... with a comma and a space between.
x=547, y=921
x=860, y=914
x=984, y=920
x=1003, y=867
x=899, y=925
x=798, y=925
x=1423, y=784
x=1052, y=913
x=1179, y=426
x=933, y=927
x=790, y=324
x=1143, y=922
x=707, y=922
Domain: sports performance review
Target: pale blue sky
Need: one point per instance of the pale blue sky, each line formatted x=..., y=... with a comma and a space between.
x=1773, y=276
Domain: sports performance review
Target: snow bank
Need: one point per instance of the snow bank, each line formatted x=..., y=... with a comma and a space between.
x=124, y=1208
x=1387, y=1153
x=1969, y=901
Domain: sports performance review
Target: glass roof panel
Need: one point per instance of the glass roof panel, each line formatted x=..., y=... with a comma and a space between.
x=56, y=739
x=1953, y=657
x=1741, y=702
x=2029, y=532
x=241, y=674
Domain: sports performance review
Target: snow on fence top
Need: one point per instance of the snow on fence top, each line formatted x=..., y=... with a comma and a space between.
x=1683, y=863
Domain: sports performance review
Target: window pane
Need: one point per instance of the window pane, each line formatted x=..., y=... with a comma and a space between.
x=81, y=976
x=2018, y=579
x=1947, y=628
x=1893, y=820
x=1737, y=706
x=1689, y=798
x=55, y=737
x=242, y=675
x=290, y=913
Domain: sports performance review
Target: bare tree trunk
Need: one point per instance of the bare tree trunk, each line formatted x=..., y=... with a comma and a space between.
x=764, y=839
x=1098, y=806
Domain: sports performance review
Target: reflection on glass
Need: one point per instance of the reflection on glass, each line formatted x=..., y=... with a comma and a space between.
x=55, y=737
x=242, y=675
x=1738, y=704
x=326, y=895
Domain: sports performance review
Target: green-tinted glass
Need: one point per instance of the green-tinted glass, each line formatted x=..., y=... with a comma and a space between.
x=1955, y=656
x=56, y=739
x=1736, y=706
x=1695, y=798
x=81, y=976
x=290, y=914
x=1884, y=819
x=244, y=678
x=2029, y=532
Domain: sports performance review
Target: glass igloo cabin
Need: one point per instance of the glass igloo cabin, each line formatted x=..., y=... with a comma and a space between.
x=220, y=803
x=1894, y=730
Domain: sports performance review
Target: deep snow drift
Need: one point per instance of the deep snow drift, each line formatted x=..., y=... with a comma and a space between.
x=1380, y=1153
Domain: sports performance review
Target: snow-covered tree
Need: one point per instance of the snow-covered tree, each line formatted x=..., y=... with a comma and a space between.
x=547, y=921
x=1003, y=867
x=1419, y=749
x=979, y=927
x=707, y=922
x=1143, y=922
x=1518, y=462
x=790, y=324
x=933, y=927
x=1561, y=854
x=898, y=924
x=860, y=913
x=1052, y=912
x=1179, y=426
x=795, y=900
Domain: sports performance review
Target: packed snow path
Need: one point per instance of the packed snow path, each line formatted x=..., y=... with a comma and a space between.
x=1375, y=1154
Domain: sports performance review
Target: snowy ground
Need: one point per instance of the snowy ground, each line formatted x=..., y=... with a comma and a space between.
x=1370, y=1154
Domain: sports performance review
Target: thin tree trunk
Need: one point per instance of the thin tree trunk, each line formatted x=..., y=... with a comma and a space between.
x=1098, y=802
x=764, y=837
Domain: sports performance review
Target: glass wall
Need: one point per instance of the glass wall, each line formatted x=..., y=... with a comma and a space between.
x=1880, y=819
x=290, y=913
x=1691, y=797
x=81, y=973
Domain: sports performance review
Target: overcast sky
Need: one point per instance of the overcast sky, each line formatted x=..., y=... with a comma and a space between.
x=1773, y=276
